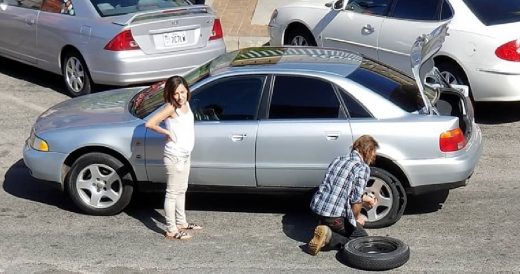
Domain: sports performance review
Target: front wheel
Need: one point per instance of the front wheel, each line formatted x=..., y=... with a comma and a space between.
x=391, y=199
x=100, y=184
x=76, y=75
x=299, y=37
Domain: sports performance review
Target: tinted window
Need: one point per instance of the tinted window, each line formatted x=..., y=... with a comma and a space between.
x=58, y=6
x=119, y=7
x=416, y=10
x=233, y=98
x=354, y=108
x=301, y=97
x=375, y=7
x=30, y=4
x=495, y=12
x=446, y=11
x=392, y=85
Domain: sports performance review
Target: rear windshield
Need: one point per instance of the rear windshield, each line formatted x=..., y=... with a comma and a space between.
x=495, y=12
x=390, y=84
x=120, y=7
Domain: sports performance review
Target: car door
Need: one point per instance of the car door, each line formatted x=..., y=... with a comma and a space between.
x=357, y=27
x=304, y=129
x=406, y=21
x=18, y=20
x=226, y=125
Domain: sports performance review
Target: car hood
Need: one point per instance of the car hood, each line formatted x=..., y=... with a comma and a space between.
x=95, y=109
x=422, y=52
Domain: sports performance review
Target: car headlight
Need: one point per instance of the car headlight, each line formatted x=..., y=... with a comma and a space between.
x=37, y=143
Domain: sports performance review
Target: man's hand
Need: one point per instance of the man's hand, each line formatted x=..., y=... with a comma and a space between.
x=369, y=201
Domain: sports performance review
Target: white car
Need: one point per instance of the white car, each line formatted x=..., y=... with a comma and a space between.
x=481, y=51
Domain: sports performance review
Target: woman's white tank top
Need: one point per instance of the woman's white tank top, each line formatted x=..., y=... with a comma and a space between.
x=183, y=129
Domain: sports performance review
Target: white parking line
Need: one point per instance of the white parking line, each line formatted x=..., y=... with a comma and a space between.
x=21, y=102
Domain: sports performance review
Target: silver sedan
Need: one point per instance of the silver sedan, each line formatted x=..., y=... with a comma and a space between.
x=112, y=42
x=268, y=119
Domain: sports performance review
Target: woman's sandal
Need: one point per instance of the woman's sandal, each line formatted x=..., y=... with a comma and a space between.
x=191, y=226
x=181, y=235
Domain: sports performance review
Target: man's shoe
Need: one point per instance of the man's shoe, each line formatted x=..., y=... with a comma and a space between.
x=322, y=235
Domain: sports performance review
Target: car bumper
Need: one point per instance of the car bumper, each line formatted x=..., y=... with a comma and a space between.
x=132, y=67
x=496, y=85
x=444, y=173
x=46, y=166
x=275, y=35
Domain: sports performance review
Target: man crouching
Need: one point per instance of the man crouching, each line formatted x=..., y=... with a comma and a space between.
x=340, y=197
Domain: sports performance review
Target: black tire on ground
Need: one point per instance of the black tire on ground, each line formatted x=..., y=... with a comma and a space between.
x=299, y=37
x=100, y=184
x=375, y=253
x=76, y=75
x=391, y=199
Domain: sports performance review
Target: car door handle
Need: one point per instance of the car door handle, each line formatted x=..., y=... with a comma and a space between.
x=367, y=29
x=332, y=136
x=238, y=137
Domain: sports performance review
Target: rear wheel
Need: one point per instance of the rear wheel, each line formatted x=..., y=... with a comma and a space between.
x=454, y=75
x=391, y=199
x=76, y=75
x=299, y=37
x=100, y=184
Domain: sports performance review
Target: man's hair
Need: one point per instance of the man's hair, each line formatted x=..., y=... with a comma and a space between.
x=171, y=86
x=366, y=145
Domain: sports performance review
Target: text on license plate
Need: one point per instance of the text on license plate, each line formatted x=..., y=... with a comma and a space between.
x=175, y=38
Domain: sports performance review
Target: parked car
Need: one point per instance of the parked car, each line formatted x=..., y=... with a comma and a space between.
x=112, y=42
x=268, y=118
x=482, y=51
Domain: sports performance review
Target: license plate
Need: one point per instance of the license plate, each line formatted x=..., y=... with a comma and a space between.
x=176, y=38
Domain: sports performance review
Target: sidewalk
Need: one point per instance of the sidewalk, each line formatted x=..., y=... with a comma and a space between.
x=244, y=22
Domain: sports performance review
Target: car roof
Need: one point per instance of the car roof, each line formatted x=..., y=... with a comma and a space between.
x=324, y=60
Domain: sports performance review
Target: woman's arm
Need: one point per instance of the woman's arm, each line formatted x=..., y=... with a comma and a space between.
x=154, y=122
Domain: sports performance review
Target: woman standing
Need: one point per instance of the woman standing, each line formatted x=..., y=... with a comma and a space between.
x=180, y=138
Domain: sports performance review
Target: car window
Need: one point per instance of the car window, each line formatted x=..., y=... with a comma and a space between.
x=58, y=6
x=354, y=108
x=233, y=98
x=446, y=10
x=495, y=12
x=416, y=10
x=30, y=4
x=296, y=97
x=119, y=7
x=390, y=84
x=375, y=7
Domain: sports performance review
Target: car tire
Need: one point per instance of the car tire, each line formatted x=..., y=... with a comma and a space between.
x=391, y=199
x=76, y=74
x=100, y=184
x=453, y=74
x=375, y=253
x=299, y=37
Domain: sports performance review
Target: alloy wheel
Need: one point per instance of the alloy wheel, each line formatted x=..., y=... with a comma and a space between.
x=299, y=40
x=74, y=74
x=99, y=186
x=383, y=193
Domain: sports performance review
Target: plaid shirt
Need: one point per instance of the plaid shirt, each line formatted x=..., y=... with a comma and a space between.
x=344, y=183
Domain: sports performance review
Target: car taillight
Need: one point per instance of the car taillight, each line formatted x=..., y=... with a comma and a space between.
x=216, y=32
x=123, y=41
x=509, y=51
x=452, y=140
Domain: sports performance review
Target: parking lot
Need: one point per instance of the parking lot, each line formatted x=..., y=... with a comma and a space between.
x=469, y=229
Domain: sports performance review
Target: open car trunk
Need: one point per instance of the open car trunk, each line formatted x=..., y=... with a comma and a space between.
x=453, y=102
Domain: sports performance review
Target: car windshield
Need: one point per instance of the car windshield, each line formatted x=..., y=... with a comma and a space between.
x=120, y=7
x=151, y=98
x=393, y=85
x=495, y=12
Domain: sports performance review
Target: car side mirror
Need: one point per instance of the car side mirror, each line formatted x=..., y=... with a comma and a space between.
x=335, y=5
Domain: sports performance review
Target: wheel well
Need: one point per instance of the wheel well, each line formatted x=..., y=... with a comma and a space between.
x=84, y=150
x=65, y=50
x=298, y=26
x=390, y=166
x=447, y=60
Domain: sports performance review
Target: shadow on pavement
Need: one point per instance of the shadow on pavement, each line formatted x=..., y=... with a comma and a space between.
x=19, y=183
x=426, y=203
x=497, y=112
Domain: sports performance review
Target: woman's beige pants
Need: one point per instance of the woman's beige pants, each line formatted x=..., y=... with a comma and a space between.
x=178, y=171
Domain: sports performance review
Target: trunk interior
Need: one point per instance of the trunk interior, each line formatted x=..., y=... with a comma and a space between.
x=452, y=103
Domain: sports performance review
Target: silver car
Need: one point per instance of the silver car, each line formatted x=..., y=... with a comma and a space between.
x=112, y=42
x=268, y=119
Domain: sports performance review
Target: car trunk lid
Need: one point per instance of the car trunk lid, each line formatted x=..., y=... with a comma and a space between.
x=170, y=30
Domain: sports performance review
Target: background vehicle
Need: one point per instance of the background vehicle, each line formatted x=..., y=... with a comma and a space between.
x=482, y=50
x=111, y=42
x=268, y=119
